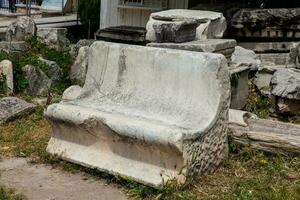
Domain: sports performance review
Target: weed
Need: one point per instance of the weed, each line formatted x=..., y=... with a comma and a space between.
x=252, y=174
x=63, y=59
x=26, y=137
x=8, y=194
x=3, y=86
x=258, y=104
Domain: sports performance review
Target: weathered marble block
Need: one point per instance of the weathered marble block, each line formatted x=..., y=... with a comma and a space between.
x=263, y=78
x=274, y=23
x=173, y=31
x=12, y=108
x=285, y=88
x=150, y=114
x=209, y=24
x=14, y=47
x=55, y=38
x=7, y=75
x=222, y=46
x=21, y=29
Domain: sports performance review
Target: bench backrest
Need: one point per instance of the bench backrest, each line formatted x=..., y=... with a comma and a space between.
x=170, y=85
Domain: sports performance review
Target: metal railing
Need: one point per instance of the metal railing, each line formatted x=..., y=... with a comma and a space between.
x=9, y=6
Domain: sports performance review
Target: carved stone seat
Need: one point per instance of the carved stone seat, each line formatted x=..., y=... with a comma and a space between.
x=150, y=114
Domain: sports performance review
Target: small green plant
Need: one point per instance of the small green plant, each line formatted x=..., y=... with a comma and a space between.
x=258, y=104
x=31, y=57
x=62, y=58
x=3, y=85
x=8, y=194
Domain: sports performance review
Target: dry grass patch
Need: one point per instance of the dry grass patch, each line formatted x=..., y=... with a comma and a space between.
x=26, y=137
x=253, y=175
x=9, y=194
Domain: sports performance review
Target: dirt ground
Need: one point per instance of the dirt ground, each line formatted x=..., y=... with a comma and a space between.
x=41, y=182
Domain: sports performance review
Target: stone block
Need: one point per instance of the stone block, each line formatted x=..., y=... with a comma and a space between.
x=12, y=108
x=22, y=29
x=209, y=24
x=55, y=38
x=173, y=31
x=54, y=71
x=245, y=58
x=9, y=47
x=274, y=59
x=74, y=48
x=38, y=82
x=7, y=75
x=222, y=46
x=239, y=87
x=155, y=117
x=267, y=23
x=80, y=66
x=263, y=78
x=276, y=53
x=285, y=87
x=268, y=47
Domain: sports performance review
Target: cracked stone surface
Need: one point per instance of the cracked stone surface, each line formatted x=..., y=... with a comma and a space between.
x=12, y=108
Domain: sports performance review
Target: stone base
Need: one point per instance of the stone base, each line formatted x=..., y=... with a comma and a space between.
x=239, y=87
x=221, y=46
x=102, y=149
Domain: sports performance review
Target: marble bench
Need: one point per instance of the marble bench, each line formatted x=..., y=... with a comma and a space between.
x=150, y=114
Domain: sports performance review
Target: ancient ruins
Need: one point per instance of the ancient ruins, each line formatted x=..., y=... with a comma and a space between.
x=123, y=121
x=162, y=88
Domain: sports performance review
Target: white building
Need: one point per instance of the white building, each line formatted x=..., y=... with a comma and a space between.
x=129, y=16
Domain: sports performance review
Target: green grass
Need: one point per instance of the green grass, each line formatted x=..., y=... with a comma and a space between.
x=263, y=107
x=258, y=104
x=3, y=86
x=247, y=174
x=26, y=137
x=8, y=194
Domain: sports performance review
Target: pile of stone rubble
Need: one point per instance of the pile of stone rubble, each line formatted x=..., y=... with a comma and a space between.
x=38, y=81
x=273, y=34
x=18, y=32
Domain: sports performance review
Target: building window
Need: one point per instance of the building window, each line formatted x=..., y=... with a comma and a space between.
x=144, y=4
x=133, y=2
